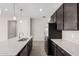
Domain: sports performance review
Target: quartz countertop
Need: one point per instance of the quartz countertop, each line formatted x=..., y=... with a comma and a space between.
x=12, y=47
x=68, y=46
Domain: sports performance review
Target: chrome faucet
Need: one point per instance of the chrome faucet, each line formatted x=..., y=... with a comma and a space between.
x=20, y=34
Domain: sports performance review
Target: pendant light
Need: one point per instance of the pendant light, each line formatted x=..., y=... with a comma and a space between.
x=21, y=10
x=0, y=11
x=6, y=9
x=14, y=17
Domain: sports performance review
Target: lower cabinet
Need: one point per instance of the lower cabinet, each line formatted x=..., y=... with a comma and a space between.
x=61, y=52
x=26, y=50
x=46, y=45
x=29, y=46
x=53, y=49
x=57, y=50
x=58, y=53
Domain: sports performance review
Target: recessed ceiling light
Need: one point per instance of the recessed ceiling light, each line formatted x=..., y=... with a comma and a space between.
x=41, y=9
x=6, y=9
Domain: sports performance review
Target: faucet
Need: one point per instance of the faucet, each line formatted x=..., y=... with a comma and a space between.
x=20, y=34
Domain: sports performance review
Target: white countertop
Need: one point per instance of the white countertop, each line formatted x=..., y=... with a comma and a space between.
x=12, y=47
x=70, y=47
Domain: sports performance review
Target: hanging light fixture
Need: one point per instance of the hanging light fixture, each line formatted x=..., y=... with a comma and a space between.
x=21, y=10
x=0, y=11
x=14, y=17
x=6, y=9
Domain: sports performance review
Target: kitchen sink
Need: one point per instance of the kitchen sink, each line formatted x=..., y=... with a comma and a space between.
x=23, y=39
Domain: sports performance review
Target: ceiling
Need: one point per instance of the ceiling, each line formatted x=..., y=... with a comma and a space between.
x=29, y=9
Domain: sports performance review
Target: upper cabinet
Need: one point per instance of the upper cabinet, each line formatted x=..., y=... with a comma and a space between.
x=60, y=18
x=70, y=16
x=67, y=16
x=53, y=18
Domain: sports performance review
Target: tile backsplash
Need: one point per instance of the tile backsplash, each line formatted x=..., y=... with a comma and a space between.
x=72, y=36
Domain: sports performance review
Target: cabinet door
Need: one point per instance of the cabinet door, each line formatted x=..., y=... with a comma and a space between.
x=24, y=51
x=29, y=46
x=53, y=48
x=60, y=18
x=46, y=45
x=61, y=52
x=58, y=53
x=70, y=16
x=53, y=18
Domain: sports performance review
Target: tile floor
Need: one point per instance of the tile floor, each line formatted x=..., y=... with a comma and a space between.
x=38, y=49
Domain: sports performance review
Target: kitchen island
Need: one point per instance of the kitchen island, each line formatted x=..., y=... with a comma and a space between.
x=13, y=47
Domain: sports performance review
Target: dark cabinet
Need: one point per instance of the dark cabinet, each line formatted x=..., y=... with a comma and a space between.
x=60, y=18
x=29, y=46
x=53, y=49
x=53, y=32
x=61, y=52
x=24, y=52
x=26, y=49
x=46, y=44
x=67, y=17
x=53, y=18
x=57, y=50
x=70, y=16
x=52, y=26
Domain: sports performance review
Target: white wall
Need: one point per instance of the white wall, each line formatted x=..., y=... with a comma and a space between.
x=72, y=36
x=3, y=29
x=25, y=27
x=38, y=28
